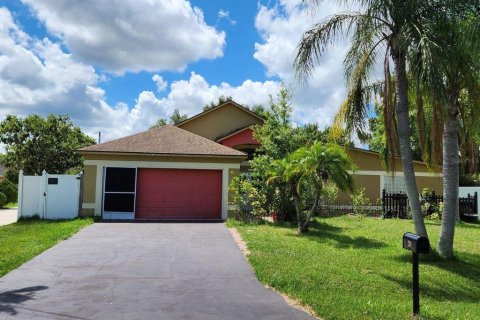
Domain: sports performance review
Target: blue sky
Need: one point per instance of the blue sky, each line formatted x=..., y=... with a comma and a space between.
x=117, y=66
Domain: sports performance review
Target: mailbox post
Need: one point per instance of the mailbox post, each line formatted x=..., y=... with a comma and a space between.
x=418, y=245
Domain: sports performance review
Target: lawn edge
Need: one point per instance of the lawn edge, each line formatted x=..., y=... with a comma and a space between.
x=295, y=303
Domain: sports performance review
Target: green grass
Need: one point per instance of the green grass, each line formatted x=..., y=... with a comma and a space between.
x=355, y=268
x=25, y=239
x=10, y=205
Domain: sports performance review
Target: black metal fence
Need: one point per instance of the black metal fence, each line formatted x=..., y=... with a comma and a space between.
x=395, y=205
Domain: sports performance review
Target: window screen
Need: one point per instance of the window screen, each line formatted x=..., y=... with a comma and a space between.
x=119, y=202
x=119, y=193
x=120, y=180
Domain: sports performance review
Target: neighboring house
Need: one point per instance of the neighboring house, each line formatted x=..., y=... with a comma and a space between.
x=2, y=172
x=183, y=171
x=372, y=176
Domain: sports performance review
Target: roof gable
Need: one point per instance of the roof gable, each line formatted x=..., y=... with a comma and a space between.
x=163, y=141
x=221, y=120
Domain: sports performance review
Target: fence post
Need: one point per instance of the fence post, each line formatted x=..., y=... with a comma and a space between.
x=383, y=203
x=80, y=198
x=44, y=193
x=20, y=194
x=475, y=206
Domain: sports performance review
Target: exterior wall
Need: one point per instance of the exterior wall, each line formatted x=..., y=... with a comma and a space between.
x=220, y=122
x=96, y=175
x=242, y=138
x=432, y=183
x=367, y=160
x=89, y=184
x=372, y=186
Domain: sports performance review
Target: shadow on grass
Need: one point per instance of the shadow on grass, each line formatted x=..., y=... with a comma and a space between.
x=321, y=232
x=466, y=266
x=443, y=291
x=438, y=290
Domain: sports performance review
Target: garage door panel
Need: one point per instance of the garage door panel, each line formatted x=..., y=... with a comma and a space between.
x=179, y=194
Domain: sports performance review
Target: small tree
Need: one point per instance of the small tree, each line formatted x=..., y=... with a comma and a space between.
x=35, y=144
x=315, y=166
x=175, y=118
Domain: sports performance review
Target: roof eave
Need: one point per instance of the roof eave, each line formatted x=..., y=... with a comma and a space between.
x=85, y=152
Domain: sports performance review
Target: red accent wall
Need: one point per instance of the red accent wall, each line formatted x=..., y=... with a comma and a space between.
x=244, y=137
x=178, y=194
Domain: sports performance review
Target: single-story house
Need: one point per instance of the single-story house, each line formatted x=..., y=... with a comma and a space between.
x=183, y=171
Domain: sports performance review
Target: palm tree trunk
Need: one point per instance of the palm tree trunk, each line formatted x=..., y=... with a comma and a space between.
x=303, y=223
x=450, y=181
x=404, y=135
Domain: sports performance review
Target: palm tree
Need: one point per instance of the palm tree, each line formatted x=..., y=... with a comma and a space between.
x=314, y=166
x=381, y=30
x=453, y=73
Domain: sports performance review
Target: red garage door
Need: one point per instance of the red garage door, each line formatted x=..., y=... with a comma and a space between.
x=178, y=194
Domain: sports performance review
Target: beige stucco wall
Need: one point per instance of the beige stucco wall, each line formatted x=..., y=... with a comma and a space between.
x=433, y=183
x=89, y=186
x=219, y=122
x=371, y=184
x=366, y=160
x=87, y=212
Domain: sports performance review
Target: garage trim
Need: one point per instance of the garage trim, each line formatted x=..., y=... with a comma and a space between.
x=161, y=165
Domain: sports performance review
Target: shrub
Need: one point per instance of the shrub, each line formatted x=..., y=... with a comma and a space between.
x=360, y=202
x=249, y=202
x=9, y=189
x=3, y=199
x=329, y=193
x=429, y=206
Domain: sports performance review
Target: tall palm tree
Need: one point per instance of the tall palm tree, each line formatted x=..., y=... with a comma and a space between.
x=312, y=166
x=454, y=71
x=382, y=30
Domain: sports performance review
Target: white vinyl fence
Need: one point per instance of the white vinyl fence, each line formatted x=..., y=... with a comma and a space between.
x=49, y=196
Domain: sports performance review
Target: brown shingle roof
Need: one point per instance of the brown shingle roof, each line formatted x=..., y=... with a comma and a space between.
x=165, y=140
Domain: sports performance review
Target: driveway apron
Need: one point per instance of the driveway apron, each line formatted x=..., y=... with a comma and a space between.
x=142, y=271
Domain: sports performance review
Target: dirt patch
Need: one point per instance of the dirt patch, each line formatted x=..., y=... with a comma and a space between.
x=290, y=301
x=238, y=239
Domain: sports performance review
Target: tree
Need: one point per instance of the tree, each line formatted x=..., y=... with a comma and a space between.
x=277, y=138
x=381, y=30
x=314, y=166
x=221, y=100
x=35, y=144
x=453, y=72
x=175, y=118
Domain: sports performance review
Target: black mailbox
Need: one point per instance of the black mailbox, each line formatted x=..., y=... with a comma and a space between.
x=415, y=243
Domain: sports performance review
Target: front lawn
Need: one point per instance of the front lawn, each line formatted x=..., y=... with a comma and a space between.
x=25, y=239
x=355, y=268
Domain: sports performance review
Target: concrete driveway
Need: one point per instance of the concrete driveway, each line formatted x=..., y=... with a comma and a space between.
x=141, y=271
x=8, y=216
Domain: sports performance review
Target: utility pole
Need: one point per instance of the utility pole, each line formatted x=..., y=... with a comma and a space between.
x=99, y=137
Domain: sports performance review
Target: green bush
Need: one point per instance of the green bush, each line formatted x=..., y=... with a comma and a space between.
x=360, y=202
x=249, y=203
x=3, y=199
x=9, y=189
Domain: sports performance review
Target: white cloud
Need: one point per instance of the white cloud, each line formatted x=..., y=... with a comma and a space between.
x=37, y=76
x=281, y=28
x=131, y=35
x=223, y=14
x=160, y=82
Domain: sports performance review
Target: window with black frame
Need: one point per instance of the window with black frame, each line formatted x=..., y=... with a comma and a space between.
x=119, y=192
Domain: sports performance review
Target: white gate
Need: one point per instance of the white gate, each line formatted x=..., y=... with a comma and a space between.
x=50, y=196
